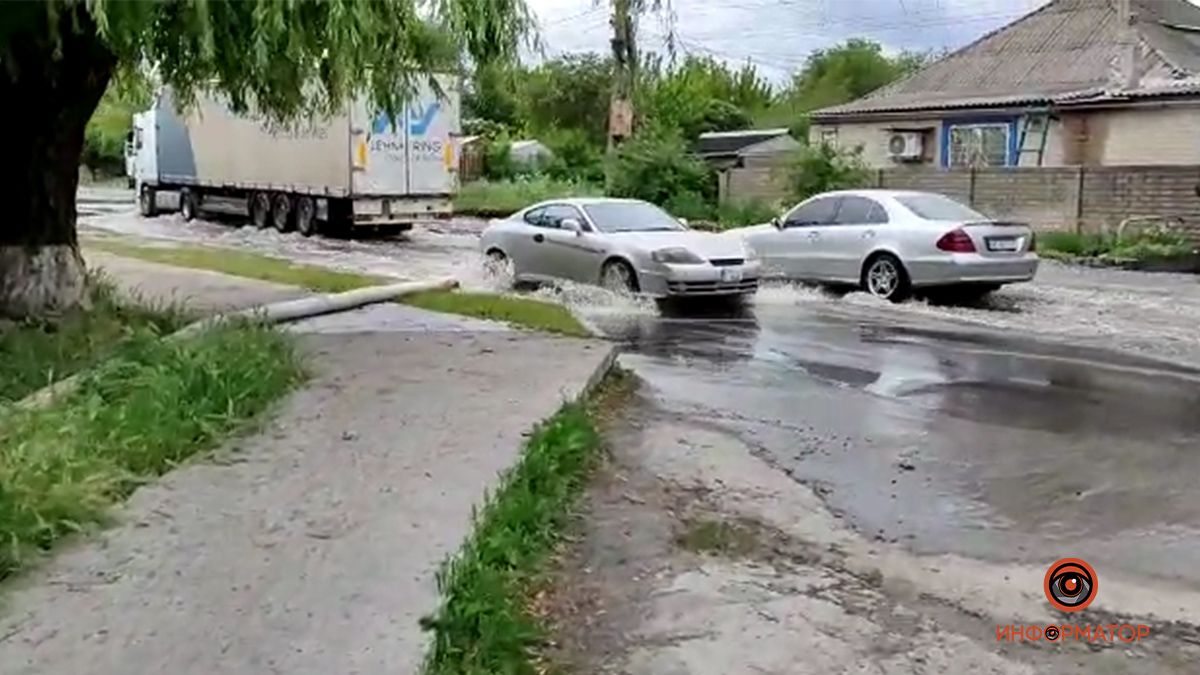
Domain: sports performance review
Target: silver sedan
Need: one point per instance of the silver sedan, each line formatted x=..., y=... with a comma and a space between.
x=890, y=243
x=624, y=245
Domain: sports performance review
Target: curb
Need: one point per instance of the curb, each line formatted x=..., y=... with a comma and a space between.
x=606, y=366
x=279, y=312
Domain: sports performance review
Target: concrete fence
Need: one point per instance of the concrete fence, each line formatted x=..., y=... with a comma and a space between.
x=1075, y=198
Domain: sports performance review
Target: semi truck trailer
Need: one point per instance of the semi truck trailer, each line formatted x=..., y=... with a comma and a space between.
x=357, y=168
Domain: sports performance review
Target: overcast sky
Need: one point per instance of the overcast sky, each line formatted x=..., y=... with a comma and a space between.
x=777, y=34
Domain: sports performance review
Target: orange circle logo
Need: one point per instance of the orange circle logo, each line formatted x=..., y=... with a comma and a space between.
x=1070, y=584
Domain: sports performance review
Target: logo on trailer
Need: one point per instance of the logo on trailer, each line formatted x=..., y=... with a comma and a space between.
x=419, y=121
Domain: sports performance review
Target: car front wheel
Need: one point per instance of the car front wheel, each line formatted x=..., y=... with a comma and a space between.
x=618, y=277
x=884, y=277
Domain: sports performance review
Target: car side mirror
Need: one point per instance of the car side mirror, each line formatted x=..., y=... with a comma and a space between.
x=683, y=222
x=777, y=222
x=571, y=225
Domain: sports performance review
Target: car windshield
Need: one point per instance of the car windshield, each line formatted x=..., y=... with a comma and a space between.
x=631, y=217
x=937, y=207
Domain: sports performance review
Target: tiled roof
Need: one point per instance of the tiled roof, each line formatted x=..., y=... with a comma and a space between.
x=1067, y=49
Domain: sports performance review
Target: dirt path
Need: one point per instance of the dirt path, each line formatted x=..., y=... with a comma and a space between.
x=309, y=547
x=698, y=557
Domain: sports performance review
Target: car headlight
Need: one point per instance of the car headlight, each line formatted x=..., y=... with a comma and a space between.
x=676, y=256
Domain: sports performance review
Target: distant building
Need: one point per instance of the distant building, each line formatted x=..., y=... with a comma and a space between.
x=1071, y=84
x=747, y=161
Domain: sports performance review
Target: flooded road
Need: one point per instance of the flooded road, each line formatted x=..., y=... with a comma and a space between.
x=947, y=440
x=1061, y=417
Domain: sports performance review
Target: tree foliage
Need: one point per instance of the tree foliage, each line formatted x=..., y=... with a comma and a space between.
x=821, y=168
x=285, y=57
x=702, y=94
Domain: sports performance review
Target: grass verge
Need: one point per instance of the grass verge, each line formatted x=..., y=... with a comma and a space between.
x=525, y=312
x=485, y=623
x=135, y=416
x=502, y=198
x=35, y=354
x=244, y=264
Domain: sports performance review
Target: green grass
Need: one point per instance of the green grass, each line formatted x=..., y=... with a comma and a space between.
x=244, y=264
x=133, y=417
x=1151, y=245
x=503, y=198
x=525, y=312
x=485, y=624
x=35, y=354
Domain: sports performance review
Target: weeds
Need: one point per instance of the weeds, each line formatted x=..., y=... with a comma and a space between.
x=133, y=417
x=525, y=312
x=484, y=625
x=1146, y=245
x=35, y=354
x=714, y=536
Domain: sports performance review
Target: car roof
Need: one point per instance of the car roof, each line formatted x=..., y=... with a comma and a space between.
x=585, y=201
x=877, y=193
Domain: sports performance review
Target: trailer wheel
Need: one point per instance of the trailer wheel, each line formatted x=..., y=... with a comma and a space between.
x=260, y=209
x=189, y=204
x=306, y=216
x=147, y=205
x=281, y=212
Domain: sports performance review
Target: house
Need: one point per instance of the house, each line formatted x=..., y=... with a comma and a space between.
x=746, y=161
x=1075, y=83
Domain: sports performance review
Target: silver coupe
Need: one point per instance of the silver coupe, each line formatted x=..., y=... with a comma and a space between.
x=891, y=243
x=624, y=245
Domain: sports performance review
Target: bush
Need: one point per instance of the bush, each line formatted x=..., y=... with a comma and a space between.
x=576, y=156
x=502, y=198
x=743, y=213
x=655, y=166
x=821, y=168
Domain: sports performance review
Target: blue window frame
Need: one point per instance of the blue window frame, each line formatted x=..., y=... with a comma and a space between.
x=980, y=141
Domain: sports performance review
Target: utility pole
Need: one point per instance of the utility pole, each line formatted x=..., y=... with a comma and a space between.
x=1130, y=50
x=624, y=51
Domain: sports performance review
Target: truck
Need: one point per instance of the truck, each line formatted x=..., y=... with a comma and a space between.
x=357, y=168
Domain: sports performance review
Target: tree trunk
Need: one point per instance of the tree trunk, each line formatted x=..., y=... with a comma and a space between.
x=48, y=100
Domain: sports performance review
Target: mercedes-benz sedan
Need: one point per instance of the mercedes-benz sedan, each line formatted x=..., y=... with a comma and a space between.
x=624, y=245
x=891, y=242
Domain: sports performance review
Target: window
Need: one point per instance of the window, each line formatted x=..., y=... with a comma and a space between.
x=860, y=211
x=978, y=145
x=535, y=216
x=556, y=213
x=631, y=216
x=819, y=211
x=829, y=137
x=937, y=207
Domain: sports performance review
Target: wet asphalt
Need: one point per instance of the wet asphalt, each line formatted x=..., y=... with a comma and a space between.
x=943, y=439
x=1008, y=432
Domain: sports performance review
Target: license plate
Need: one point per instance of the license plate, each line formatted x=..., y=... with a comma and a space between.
x=731, y=275
x=1003, y=243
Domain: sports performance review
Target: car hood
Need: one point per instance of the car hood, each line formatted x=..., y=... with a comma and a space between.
x=704, y=244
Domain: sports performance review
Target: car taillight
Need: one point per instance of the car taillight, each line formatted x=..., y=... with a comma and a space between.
x=956, y=241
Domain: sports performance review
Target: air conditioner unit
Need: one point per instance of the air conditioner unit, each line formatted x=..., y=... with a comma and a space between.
x=905, y=146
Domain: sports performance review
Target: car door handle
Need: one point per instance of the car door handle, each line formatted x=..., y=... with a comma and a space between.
x=814, y=235
x=539, y=238
x=869, y=234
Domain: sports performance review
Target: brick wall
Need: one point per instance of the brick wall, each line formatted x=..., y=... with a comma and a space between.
x=1088, y=199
